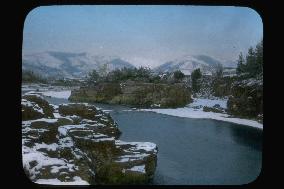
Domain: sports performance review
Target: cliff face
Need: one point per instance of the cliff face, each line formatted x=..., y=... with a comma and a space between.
x=135, y=94
x=246, y=99
x=78, y=144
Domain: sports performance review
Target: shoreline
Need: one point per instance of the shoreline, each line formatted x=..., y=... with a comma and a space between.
x=188, y=112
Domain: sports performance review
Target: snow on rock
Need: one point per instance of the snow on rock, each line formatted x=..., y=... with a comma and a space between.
x=41, y=159
x=52, y=146
x=49, y=147
x=140, y=168
x=33, y=105
x=63, y=129
x=147, y=146
x=134, y=151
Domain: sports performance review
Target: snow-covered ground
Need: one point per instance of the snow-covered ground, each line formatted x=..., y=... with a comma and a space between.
x=48, y=90
x=208, y=102
x=195, y=110
x=58, y=94
x=55, y=94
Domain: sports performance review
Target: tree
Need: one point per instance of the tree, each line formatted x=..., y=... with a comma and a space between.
x=93, y=77
x=219, y=71
x=241, y=64
x=178, y=75
x=30, y=76
x=195, y=77
x=103, y=70
x=253, y=64
x=259, y=57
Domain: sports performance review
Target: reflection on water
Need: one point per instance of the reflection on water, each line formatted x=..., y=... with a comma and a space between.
x=247, y=136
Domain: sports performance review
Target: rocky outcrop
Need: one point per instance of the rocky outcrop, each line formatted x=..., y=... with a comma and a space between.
x=216, y=109
x=78, y=144
x=246, y=99
x=135, y=94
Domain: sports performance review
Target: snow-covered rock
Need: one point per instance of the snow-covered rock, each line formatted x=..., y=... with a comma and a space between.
x=80, y=146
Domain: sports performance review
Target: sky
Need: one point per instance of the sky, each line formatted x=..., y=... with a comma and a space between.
x=143, y=35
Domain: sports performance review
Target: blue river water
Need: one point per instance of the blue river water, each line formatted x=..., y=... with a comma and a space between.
x=193, y=151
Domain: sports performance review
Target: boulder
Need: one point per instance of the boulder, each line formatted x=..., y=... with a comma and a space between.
x=34, y=107
x=213, y=109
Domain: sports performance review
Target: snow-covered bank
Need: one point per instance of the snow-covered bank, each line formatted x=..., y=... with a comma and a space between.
x=208, y=102
x=62, y=92
x=58, y=94
x=195, y=110
x=55, y=94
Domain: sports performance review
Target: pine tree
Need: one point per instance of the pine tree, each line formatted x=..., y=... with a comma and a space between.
x=259, y=57
x=178, y=75
x=93, y=77
x=253, y=64
x=195, y=76
x=241, y=64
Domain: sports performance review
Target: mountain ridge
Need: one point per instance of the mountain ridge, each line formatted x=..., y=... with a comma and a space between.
x=188, y=63
x=71, y=65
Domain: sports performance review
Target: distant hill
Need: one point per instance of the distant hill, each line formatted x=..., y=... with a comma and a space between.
x=70, y=65
x=187, y=64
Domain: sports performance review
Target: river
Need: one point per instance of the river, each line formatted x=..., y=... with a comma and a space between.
x=192, y=151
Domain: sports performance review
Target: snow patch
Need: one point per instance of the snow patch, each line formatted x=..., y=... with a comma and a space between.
x=199, y=113
x=58, y=94
x=76, y=181
x=140, y=168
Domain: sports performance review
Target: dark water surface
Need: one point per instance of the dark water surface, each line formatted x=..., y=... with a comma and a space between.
x=196, y=151
x=193, y=151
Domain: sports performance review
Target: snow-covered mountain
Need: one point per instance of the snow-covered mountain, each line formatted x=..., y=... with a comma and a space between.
x=187, y=64
x=71, y=65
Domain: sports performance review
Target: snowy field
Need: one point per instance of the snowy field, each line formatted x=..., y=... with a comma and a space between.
x=195, y=110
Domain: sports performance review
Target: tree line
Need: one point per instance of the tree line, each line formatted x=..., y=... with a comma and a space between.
x=252, y=64
x=141, y=74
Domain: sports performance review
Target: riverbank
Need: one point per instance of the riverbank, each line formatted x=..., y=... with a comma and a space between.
x=192, y=110
x=195, y=110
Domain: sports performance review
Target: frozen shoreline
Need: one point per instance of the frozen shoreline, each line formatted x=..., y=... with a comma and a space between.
x=195, y=110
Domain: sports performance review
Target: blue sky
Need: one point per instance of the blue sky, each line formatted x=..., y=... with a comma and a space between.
x=144, y=35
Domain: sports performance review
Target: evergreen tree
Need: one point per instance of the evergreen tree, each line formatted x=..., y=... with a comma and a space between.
x=219, y=71
x=178, y=75
x=241, y=64
x=195, y=77
x=253, y=64
x=93, y=77
x=259, y=57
